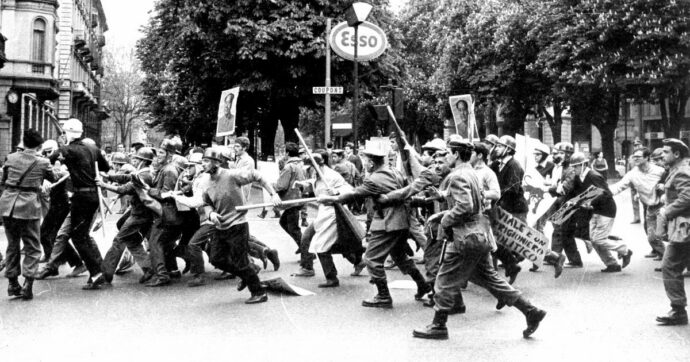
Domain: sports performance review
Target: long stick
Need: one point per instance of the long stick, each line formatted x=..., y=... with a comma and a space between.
x=311, y=157
x=269, y=204
x=61, y=180
x=100, y=201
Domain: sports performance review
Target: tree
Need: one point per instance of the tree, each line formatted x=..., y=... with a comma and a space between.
x=122, y=90
x=274, y=50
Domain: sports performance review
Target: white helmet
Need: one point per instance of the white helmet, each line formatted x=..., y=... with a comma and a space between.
x=49, y=146
x=73, y=125
x=89, y=142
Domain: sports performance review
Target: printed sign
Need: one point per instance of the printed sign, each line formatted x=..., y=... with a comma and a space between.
x=371, y=41
x=227, y=109
x=517, y=236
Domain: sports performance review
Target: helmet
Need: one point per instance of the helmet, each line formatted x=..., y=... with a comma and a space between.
x=194, y=159
x=179, y=161
x=171, y=145
x=73, y=125
x=491, y=139
x=145, y=154
x=213, y=153
x=49, y=146
x=542, y=148
x=507, y=141
x=89, y=142
x=577, y=158
x=119, y=157
x=226, y=153
x=566, y=147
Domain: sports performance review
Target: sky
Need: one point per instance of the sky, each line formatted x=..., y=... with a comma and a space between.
x=125, y=17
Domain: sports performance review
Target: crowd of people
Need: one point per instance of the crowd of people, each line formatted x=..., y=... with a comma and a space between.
x=445, y=199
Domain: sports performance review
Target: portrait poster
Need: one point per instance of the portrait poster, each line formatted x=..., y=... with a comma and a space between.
x=462, y=107
x=227, y=109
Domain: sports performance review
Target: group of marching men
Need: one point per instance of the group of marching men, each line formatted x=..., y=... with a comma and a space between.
x=445, y=199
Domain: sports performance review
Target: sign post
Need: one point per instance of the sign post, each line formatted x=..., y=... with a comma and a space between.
x=327, y=126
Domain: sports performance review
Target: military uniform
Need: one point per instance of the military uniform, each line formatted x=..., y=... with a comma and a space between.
x=20, y=207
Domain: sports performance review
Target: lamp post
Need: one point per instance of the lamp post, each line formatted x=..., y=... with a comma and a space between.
x=355, y=15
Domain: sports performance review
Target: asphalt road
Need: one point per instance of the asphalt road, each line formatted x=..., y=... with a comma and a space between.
x=591, y=316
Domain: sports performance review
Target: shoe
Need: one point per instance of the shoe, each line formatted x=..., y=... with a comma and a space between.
x=27, y=290
x=574, y=265
x=263, y=213
x=436, y=330
x=636, y=221
x=224, y=276
x=626, y=259
x=13, y=288
x=196, y=281
x=613, y=268
x=534, y=317
x=276, y=214
x=272, y=256
x=652, y=254
x=457, y=309
x=241, y=285
x=512, y=271
x=658, y=258
x=175, y=274
x=382, y=299
x=304, y=273
x=77, y=271
x=95, y=283
x=158, y=282
x=500, y=304
x=330, y=283
x=422, y=290
x=676, y=317
x=558, y=267
x=358, y=269
x=260, y=297
x=148, y=274
x=534, y=268
x=47, y=272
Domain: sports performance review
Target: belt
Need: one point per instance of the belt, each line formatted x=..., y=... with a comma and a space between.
x=85, y=189
x=24, y=188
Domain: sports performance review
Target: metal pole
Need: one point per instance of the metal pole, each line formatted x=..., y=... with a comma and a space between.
x=327, y=130
x=356, y=93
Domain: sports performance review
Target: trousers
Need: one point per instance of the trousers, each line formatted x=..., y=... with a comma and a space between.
x=676, y=259
x=289, y=221
x=83, y=208
x=599, y=230
x=650, y=215
x=130, y=236
x=385, y=243
x=25, y=232
x=229, y=252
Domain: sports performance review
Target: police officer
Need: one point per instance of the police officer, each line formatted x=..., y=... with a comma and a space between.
x=80, y=159
x=468, y=252
x=20, y=207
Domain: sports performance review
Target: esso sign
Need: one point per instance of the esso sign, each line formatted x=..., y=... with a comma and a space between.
x=371, y=42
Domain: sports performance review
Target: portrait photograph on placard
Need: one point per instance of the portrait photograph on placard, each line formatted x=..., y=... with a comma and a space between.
x=462, y=107
x=227, y=109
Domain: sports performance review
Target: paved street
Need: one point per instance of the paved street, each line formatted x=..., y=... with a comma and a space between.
x=591, y=316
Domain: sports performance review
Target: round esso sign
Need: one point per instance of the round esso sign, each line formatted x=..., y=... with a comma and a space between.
x=371, y=41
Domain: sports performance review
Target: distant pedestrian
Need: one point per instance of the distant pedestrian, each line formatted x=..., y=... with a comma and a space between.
x=599, y=164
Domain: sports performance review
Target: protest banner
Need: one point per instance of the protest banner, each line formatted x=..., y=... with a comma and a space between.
x=227, y=109
x=519, y=237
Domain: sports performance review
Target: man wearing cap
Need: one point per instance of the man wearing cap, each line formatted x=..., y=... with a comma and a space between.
x=350, y=156
x=676, y=212
x=138, y=223
x=167, y=227
x=22, y=177
x=230, y=246
x=603, y=209
x=80, y=159
x=467, y=254
x=645, y=177
x=389, y=227
x=345, y=168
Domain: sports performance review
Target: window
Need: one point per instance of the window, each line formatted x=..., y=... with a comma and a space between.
x=38, y=41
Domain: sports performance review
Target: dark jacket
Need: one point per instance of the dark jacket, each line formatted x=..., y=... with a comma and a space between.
x=138, y=208
x=20, y=200
x=510, y=180
x=291, y=172
x=80, y=160
x=603, y=205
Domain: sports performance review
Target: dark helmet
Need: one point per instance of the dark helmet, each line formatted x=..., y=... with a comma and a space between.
x=145, y=154
x=566, y=147
x=119, y=157
x=171, y=145
x=213, y=153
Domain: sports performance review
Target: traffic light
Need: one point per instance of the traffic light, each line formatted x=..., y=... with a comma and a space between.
x=398, y=103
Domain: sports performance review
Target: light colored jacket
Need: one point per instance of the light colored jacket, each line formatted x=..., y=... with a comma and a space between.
x=21, y=200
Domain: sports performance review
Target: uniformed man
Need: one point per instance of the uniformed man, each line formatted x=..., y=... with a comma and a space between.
x=467, y=254
x=676, y=213
x=389, y=227
x=20, y=207
x=80, y=159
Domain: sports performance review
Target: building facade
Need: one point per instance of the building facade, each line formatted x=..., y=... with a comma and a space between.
x=51, y=67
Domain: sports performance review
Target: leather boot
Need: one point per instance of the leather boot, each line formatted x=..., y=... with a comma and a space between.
x=436, y=330
x=27, y=292
x=512, y=271
x=382, y=299
x=533, y=315
x=258, y=292
x=677, y=316
x=13, y=288
x=263, y=214
x=422, y=286
x=458, y=306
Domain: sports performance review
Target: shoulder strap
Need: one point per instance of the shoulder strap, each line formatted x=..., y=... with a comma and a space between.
x=28, y=170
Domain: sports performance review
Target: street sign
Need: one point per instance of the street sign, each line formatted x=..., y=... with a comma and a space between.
x=327, y=90
x=372, y=41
